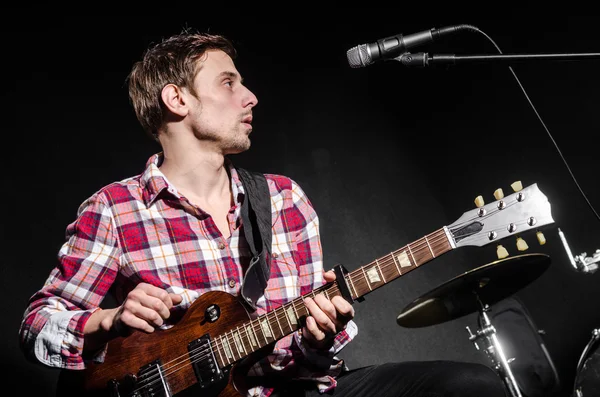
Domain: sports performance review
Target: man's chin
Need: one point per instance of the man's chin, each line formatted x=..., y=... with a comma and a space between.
x=238, y=148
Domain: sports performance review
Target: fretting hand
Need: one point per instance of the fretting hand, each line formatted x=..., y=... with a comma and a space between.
x=327, y=317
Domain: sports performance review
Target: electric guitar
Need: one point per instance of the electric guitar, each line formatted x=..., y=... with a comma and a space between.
x=205, y=350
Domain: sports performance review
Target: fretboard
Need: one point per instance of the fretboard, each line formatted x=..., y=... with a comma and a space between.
x=236, y=344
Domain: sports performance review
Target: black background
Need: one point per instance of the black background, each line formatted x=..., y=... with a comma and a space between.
x=386, y=153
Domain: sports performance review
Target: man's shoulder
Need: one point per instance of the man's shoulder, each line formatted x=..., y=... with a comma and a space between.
x=282, y=181
x=125, y=189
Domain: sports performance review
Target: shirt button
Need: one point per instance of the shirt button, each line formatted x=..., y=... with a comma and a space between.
x=275, y=255
x=231, y=283
x=221, y=246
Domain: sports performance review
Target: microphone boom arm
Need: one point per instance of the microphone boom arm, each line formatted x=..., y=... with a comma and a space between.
x=422, y=59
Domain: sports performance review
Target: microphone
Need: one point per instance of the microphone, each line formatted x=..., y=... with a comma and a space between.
x=392, y=46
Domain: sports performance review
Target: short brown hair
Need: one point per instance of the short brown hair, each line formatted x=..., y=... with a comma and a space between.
x=172, y=61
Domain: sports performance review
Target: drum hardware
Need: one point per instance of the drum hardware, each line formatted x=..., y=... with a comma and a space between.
x=587, y=381
x=475, y=291
x=494, y=351
x=582, y=262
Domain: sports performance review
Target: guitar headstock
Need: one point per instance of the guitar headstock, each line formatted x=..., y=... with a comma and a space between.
x=525, y=209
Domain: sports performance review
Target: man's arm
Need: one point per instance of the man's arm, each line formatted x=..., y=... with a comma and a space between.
x=145, y=308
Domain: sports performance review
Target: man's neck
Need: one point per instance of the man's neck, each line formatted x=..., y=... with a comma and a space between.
x=196, y=173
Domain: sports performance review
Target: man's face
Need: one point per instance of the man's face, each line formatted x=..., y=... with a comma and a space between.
x=222, y=114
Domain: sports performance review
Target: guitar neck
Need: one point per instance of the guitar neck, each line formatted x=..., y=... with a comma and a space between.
x=270, y=327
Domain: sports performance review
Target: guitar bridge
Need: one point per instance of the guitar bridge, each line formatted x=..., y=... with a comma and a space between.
x=151, y=381
x=203, y=360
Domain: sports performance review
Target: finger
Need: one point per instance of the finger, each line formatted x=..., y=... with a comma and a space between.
x=314, y=332
x=176, y=298
x=329, y=276
x=157, y=305
x=337, y=309
x=344, y=310
x=139, y=310
x=326, y=306
x=153, y=297
x=324, y=322
x=159, y=293
x=131, y=321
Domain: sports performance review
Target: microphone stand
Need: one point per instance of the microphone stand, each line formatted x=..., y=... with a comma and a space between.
x=582, y=262
x=421, y=59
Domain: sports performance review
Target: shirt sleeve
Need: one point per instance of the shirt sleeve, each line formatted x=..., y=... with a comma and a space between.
x=292, y=355
x=51, y=330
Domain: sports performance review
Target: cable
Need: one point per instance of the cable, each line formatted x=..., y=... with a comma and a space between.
x=475, y=29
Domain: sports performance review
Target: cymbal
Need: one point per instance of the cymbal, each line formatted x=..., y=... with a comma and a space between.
x=459, y=296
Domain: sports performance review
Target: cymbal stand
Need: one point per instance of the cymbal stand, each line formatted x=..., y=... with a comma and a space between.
x=493, y=349
x=582, y=262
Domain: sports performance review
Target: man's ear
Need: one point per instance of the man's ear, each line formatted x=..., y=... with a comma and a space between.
x=173, y=98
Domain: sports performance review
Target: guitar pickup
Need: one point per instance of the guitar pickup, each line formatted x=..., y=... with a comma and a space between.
x=203, y=360
x=151, y=381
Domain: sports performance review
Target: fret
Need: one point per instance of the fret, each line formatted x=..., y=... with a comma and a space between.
x=278, y=323
x=245, y=339
x=219, y=351
x=429, y=246
x=238, y=342
x=366, y=278
x=352, y=286
x=380, y=272
x=396, y=264
x=411, y=255
x=252, y=335
x=227, y=349
x=266, y=329
x=388, y=270
x=303, y=307
x=285, y=313
x=233, y=342
x=260, y=327
x=295, y=313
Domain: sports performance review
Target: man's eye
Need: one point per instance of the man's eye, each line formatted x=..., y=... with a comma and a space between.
x=229, y=82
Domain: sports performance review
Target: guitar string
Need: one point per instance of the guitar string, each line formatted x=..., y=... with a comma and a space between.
x=387, y=263
x=357, y=279
x=200, y=353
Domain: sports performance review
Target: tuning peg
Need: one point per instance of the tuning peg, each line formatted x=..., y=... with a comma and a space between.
x=541, y=238
x=479, y=201
x=499, y=194
x=521, y=244
x=517, y=186
x=501, y=252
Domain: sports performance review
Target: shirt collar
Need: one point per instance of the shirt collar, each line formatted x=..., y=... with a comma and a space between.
x=153, y=182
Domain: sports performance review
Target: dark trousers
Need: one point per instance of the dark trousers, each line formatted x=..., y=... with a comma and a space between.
x=413, y=379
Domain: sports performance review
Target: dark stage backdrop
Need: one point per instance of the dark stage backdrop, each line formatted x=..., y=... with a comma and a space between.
x=386, y=153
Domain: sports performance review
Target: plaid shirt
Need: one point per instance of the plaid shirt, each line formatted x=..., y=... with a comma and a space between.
x=142, y=230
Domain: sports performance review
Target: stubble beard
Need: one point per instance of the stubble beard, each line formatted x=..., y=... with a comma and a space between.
x=237, y=141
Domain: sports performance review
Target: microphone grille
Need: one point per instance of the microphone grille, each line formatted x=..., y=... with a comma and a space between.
x=358, y=56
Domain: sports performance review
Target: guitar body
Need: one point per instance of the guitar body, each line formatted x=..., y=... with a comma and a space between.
x=127, y=355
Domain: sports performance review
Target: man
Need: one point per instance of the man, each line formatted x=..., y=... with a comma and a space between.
x=162, y=239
